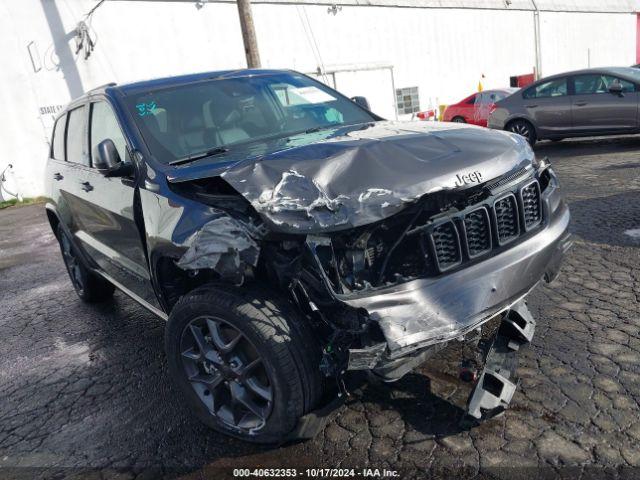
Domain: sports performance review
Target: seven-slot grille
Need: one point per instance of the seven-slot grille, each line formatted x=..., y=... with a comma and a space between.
x=480, y=229
x=531, y=207
x=505, y=212
x=478, y=232
x=446, y=245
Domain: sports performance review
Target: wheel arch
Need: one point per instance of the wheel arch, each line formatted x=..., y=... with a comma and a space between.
x=174, y=282
x=52, y=216
x=56, y=223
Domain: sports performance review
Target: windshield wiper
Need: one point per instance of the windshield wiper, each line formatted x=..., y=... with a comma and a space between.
x=197, y=156
x=310, y=130
x=329, y=127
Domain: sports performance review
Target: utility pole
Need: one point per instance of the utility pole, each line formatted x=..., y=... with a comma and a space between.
x=248, y=33
x=536, y=35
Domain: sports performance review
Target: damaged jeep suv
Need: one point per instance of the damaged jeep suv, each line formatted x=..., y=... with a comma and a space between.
x=289, y=237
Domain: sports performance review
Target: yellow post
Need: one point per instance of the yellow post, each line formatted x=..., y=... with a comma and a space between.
x=441, y=109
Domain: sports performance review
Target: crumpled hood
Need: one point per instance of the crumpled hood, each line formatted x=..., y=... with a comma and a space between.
x=344, y=179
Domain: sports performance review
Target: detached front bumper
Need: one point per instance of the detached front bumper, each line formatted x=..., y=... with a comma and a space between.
x=497, y=381
x=427, y=312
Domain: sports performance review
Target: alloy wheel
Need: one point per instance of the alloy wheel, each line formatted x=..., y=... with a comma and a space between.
x=72, y=263
x=521, y=128
x=227, y=373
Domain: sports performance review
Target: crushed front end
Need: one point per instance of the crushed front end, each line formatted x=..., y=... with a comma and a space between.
x=399, y=290
x=393, y=240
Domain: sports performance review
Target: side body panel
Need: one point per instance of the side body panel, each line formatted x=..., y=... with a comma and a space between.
x=604, y=113
x=109, y=232
x=551, y=116
x=99, y=213
x=596, y=110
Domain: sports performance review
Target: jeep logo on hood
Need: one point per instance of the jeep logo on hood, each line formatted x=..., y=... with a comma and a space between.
x=467, y=178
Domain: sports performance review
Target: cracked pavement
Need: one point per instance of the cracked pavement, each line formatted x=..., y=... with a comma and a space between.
x=84, y=388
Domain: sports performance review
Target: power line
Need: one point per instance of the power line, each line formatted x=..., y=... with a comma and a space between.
x=313, y=44
x=95, y=7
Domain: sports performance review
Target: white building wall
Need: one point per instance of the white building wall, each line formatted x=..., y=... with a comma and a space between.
x=571, y=41
x=442, y=51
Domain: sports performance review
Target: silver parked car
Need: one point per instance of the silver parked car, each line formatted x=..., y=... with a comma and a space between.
x=595, y=101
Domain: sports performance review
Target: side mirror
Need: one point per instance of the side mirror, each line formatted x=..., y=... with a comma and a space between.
x=107, y=161
x=616, y=88
x=362, y=101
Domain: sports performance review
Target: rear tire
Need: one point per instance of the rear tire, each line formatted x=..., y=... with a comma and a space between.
x=524, y=129
x=214, y=334
x=458, y=120
x=89, y=286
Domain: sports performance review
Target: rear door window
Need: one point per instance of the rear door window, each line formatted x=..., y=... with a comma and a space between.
x=104, y=125
x=76, y=136
x=497, y=96
x=552, y=88
x=57, y=148
x=486, y=98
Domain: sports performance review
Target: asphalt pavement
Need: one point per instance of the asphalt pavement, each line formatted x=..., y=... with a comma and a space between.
x=84, y=390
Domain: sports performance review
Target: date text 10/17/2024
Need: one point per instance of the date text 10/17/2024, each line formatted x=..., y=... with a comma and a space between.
x=315, y=473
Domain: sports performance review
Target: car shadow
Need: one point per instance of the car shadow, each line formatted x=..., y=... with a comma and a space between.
x=624, y=166
x=605, y=220
x=422, y=405
x=578, y=147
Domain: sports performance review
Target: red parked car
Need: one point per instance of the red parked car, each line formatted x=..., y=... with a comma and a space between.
x=475, y=108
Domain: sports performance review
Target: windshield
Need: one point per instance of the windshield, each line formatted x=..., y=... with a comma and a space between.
x=190, y=119
x=628, y=71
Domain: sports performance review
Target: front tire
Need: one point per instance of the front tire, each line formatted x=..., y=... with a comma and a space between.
x=458, y=120
x=90, y=287
x=524, y=129
x=245, y=361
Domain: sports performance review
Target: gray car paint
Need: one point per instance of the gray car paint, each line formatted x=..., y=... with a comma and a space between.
x=604, y=111
x=573, y=115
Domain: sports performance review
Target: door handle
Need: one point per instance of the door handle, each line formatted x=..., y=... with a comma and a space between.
x=580, y=104
x=57, y=176
x=531, y=106
x=87, y=187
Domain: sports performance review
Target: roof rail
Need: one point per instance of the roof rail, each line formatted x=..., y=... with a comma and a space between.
x=110, y=84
